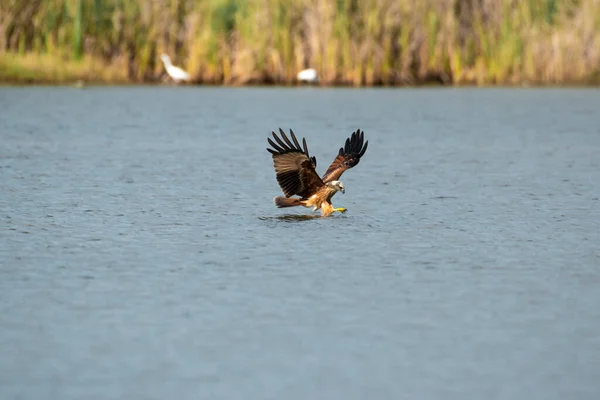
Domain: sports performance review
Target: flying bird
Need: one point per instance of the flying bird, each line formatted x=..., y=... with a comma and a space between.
x=296, y=174
x=174, y=72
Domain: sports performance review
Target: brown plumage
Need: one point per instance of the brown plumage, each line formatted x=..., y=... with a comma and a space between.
x=296, y=175
x=348, y=156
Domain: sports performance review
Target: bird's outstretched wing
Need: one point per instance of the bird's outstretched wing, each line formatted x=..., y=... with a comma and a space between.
x=294, y=167
x=348, y=156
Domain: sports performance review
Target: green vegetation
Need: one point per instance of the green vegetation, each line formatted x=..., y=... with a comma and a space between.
x=350, y=42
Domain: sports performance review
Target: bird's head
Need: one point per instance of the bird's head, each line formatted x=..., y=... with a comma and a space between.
x=166, y=59
x=337, y=185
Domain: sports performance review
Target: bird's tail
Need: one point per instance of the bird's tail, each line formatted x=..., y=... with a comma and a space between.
x=286, y=202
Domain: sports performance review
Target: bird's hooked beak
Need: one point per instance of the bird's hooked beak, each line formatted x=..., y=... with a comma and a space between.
x=343, y=190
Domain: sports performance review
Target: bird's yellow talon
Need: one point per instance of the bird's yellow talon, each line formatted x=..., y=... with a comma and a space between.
x=341, y=209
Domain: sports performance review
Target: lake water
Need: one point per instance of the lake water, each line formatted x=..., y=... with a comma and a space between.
x=142, y=257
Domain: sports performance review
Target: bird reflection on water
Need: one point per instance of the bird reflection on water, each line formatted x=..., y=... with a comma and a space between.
x=292, y=217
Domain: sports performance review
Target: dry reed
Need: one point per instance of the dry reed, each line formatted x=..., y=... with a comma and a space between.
x=349, y=42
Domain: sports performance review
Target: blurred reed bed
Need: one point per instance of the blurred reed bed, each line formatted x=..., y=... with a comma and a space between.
x=349, y=42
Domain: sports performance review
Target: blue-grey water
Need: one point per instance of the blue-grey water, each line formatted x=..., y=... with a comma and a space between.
x=142, y=257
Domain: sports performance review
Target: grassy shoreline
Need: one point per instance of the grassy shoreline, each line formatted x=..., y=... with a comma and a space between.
x=48, y=70
x=366, y=43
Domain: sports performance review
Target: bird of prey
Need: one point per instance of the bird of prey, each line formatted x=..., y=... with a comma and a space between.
x=296, y=175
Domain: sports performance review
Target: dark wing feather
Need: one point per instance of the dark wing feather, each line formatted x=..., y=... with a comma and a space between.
x=294, y=167
x=313, y=159
x=348, y=156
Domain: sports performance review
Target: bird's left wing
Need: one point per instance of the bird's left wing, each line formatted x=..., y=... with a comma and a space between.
x=348, y=156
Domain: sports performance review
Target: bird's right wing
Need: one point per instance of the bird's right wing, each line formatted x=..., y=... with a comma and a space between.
x=294, y=167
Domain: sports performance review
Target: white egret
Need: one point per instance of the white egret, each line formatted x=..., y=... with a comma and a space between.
x=174, y=72
x=308, y=75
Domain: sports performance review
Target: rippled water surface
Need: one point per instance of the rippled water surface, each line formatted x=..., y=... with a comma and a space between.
x=142, y=257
